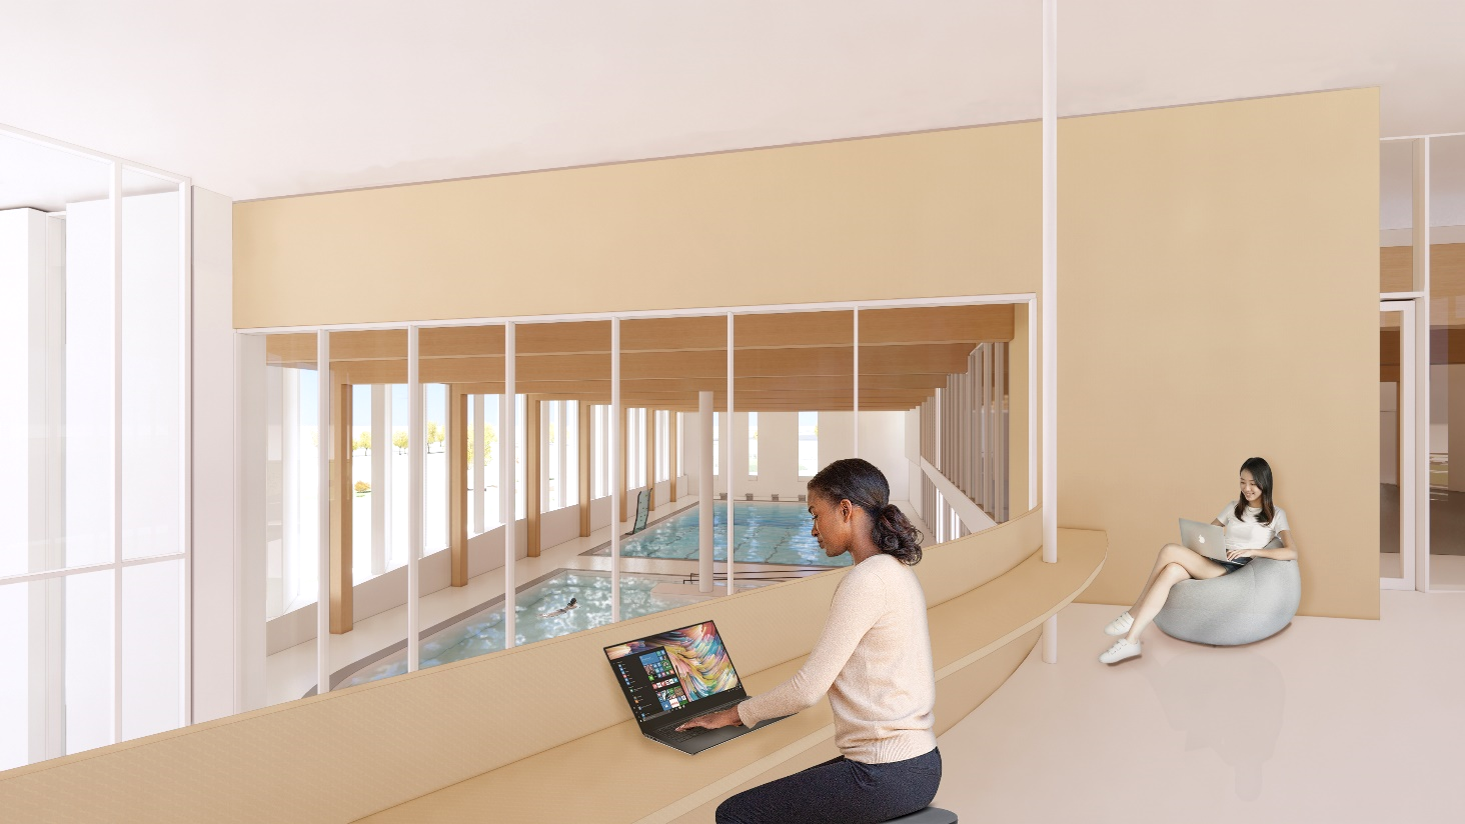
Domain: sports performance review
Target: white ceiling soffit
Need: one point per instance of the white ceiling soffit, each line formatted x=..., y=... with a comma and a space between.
x=272, y=98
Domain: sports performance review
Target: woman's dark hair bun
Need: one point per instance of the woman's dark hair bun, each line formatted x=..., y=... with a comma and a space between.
x=862, y=484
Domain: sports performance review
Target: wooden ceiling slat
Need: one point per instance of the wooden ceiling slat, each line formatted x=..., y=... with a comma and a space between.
x=936, y=324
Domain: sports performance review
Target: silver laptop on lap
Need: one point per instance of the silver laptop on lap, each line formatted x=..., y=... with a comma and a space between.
x=1207, y=539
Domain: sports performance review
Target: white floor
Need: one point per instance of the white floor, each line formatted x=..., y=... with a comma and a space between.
x=1331, y=720
x=291, y=673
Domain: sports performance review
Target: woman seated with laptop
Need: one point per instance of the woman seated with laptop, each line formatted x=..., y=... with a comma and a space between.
x=1250, y=524
x=873, y=659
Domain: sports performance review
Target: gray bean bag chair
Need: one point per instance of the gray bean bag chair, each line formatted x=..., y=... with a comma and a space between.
x=1247, y=605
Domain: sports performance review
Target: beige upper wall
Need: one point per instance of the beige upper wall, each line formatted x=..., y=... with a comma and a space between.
x=1190, y=237
x=923, y=215
x=1218, y=273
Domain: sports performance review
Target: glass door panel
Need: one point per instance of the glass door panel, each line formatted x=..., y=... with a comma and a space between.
x=1396, y=445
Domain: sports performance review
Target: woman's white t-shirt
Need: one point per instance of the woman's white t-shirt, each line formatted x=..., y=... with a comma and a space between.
x=1246, y=533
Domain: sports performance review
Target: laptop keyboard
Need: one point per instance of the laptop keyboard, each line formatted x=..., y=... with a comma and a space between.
x=671, y=734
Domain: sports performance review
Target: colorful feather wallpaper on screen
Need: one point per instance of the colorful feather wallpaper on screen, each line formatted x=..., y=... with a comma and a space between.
x=697, y=653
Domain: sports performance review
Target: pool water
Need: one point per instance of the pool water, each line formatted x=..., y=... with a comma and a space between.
x=767, y=533
x=483, y=632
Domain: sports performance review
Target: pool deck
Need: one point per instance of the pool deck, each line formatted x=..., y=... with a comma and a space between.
x=290, y=673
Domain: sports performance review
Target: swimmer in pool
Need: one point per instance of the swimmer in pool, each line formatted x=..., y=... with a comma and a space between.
x=573, y=604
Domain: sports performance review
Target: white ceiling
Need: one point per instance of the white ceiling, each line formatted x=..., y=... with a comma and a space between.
x=272, y=98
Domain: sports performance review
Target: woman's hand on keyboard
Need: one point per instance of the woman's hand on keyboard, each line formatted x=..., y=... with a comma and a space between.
x=713, y=720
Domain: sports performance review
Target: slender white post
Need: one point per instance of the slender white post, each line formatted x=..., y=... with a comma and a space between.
x=323, y=512
x=704, y=491
x=727, y=465
x=990, y=398
x=388, y=482
x=938, y=450
x=117, y=299
x=615, y=469
x=1050, y=281
x=855, y=418
x=508, y=476
x=416, y=450
x=381, y=444
x=480, y=461
x=1050, y=307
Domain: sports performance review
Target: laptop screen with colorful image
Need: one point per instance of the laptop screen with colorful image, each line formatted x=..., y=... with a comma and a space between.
x=669, y=673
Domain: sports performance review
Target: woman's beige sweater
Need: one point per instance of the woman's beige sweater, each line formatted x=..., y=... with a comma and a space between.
x=874, y=660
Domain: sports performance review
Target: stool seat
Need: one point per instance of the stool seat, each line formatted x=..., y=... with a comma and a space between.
x=930, y=815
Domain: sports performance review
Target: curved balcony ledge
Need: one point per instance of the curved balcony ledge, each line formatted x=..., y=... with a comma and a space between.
x=541, y=732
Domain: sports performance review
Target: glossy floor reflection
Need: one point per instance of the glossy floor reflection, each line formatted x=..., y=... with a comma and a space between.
x=1331, y=720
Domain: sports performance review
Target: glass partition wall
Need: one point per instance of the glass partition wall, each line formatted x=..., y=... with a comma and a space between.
x=1447, y=363
x=1422, y=281
x=387, y=537
x=94, y=547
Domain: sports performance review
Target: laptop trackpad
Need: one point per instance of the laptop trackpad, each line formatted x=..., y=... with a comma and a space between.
x=712, y=738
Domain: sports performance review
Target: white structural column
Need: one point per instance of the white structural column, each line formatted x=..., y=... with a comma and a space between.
x=381, y=445
x=480, y=462
x=727, y=465
x=416, y=450
x=704, y=491
x=323, y=511
x=1050, y=307
x=615, y=469
x=508, y=509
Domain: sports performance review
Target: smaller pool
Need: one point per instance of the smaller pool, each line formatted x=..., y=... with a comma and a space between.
x=767, y=533
x=483, y=632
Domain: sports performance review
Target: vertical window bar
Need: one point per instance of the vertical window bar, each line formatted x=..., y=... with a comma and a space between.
x=416, y=445
x=323, y=512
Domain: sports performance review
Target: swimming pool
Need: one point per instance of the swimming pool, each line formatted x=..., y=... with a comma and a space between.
x=767, y=533
x=483, y=631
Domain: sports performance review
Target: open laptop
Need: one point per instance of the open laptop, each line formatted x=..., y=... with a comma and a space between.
x=1207, y=539
x=673, y=676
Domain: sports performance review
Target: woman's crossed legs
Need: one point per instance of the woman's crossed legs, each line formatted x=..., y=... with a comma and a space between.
x=1174, y=564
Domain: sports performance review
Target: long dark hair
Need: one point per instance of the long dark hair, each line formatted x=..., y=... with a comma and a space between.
x=860, y=483
x=1261, y=472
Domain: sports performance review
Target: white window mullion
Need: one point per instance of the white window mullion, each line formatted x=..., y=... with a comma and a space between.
x=185, y=532
x=323, y=513
x=116, y=204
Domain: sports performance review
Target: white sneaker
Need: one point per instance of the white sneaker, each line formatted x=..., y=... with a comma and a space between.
x=1120, y=625
x=1121, y=650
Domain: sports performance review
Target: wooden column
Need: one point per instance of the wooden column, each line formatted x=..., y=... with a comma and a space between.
x=671, y=453
x=583, y=436
x=533, y=470
x=343, y=498
x=624, y=424
x=650, y=439
x=457, y=447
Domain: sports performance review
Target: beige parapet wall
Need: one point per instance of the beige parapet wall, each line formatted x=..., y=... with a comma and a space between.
x=1191, y=239
x=357, y=751
x=922, y=215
